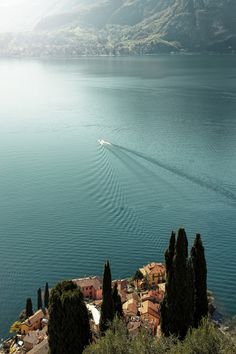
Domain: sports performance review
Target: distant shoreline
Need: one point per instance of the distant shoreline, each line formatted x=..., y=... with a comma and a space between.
x=193, y=54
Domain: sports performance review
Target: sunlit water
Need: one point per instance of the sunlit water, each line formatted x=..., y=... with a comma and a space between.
x=67, y=202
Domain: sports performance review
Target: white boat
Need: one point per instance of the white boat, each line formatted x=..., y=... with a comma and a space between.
x=103, y=142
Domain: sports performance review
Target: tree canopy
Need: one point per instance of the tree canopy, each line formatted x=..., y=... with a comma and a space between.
x=107, y=307
x=68, y=327
x=29, y=307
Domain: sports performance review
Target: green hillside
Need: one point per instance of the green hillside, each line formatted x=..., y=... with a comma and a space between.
x=123, y=27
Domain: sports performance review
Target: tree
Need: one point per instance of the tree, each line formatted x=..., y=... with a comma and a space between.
x=68, y=327
x=107, y=307
x=46, y=296
x=138, y=275
x=168, y=301
x=117, y=302
x=200, y=280
x=22, y=316
x=169, y=254
x=207, y=339
x=15, y=327
x=183, y=288
x=29, y=307
x=178, y=304
x=40, y=302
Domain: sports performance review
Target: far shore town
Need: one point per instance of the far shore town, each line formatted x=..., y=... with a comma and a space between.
x=141, y=297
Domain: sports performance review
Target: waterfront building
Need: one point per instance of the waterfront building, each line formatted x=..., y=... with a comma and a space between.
x=91, y=287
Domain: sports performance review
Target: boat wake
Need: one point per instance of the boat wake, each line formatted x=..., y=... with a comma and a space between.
x=209, y=184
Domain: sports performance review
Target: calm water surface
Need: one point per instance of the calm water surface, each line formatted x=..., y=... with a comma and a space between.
x=67, y=203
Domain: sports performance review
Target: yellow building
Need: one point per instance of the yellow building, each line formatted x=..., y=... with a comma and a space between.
x=155, y=273
x=32, y=323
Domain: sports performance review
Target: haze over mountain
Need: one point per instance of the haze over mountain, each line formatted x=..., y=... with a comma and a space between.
x=23, y=15
x=80, y=27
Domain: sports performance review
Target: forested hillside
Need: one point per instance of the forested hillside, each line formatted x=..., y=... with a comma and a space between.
x=79, y=27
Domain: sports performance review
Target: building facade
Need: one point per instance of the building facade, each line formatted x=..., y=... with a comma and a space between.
x=32, y=323
x=91, y=287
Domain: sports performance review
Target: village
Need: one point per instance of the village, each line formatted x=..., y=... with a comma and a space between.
x=141, y=297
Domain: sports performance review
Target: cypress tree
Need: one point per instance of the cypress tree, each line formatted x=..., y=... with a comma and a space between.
x=183, y=302
x=68, y=326
x=178, y=304
x=40, y=302
x=46, y=296
x=191, y=292
x=167, y=303
x=169, y=254
x=107, y=307
x=200, y=280
x=117, y=302
x=29, y=307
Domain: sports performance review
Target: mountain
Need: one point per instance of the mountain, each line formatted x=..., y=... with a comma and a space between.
x=82, y=27
x=23, y=15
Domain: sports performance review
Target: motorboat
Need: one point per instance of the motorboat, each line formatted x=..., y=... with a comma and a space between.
x=103, y=142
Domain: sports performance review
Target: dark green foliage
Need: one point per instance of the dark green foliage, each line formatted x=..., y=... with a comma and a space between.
x=207, y=339
x=184, y=241
x=200, y=280
x=107, y=307
x=22, y=316
x=29, y=307
x=169, y=254
x=190, y=305
x=117, y=302
x=68, y=327
x=46, y=296
x=183, y=303
x=168, y=302
x=138, y=275
x=178, y=304
x=40, y=302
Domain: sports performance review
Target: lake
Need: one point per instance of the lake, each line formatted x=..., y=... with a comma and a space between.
x=67, y=203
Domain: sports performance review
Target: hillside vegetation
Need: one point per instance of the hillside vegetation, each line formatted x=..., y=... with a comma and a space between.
x=207, y=339
x=113, y=27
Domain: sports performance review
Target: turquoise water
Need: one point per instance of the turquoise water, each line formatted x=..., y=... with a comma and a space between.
x=67, y=203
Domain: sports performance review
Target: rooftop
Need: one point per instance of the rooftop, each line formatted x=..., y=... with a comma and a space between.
x=35, y=337
x=37, y=316
x=148, y=307
x=94, y=281
x=41, y=348
x=157, y=267
x=153, y=294
x=130, y=307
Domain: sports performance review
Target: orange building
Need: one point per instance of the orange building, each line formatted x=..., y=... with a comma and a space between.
x=91, y=287
x=150, y=312
x=155, y=273
x=32, y=323
x=130, y=308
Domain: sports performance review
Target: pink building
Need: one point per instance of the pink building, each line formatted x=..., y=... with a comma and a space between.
x=91, y=287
